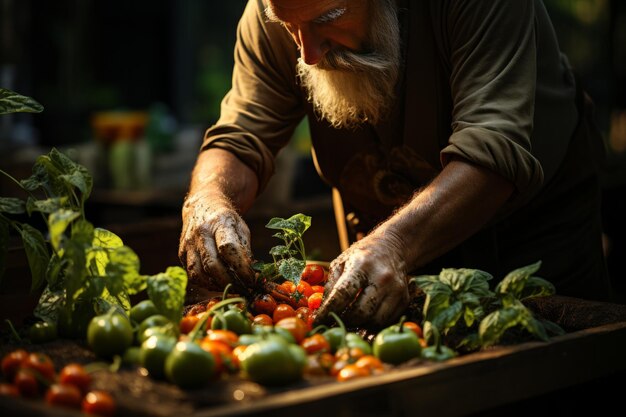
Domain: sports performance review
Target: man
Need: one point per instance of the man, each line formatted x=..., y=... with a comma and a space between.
x=454, y=131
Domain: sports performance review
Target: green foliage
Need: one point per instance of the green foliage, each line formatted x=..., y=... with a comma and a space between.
x=464, y=293
x=289, y=259
x=12, y=102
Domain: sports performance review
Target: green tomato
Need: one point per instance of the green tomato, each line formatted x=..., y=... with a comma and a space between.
x=42, y=332
x=438, y=354
x=273, y=362
x=142, y=310
x=167, y=330
x=131, y=356
x=153, y=353
x=248, y=339
x=189, y=366
x=269, y=332
x=395, y=345
x=109, y=334
x=353, y=340
x=335, y=337
x=234, y=320
x=156, y=320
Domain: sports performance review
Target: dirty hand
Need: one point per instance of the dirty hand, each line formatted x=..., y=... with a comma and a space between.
x=214, y=246
x=367, y=283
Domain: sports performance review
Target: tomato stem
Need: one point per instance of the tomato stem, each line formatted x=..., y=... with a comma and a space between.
x=199, y=327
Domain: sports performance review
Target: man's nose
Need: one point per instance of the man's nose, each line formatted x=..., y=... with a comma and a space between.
x=312, y=45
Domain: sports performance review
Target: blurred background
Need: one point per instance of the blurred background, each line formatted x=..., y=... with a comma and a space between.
x=130, y=86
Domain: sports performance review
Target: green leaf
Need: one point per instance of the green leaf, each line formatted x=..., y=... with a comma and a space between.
x=122, y=272
x=469, y=316
x=297, y=224
x=493, y=326
x=437, y=299
x=4, y=246
x=281, y=250
x=291, y=269
x=552, y=327
x=47, y=206
x=447, y=318
x=535, y=327
x=12, y=205
x=425, y=282
x=537, y=287
x=470, y=342
x=49, y=304
x=57, y=223
x=98, y=254
x=53, y=271
x=72, y=173
x=515, y=280
x=36, y=253
x=12, y=102
x=74, y=272
x=167, y=292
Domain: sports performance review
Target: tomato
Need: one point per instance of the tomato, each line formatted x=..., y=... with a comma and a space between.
x=288, y=286
x=313, y=274
x=42, y=332
x=349, y=354
x=283, y=311
x=75, y=374
x=196, y=309
x=41, y=364
x=414, y=327
x=317, y=288
x=351, y=371
x=131, y=356
x=212, y=302
x=100, y=403
x=262, y=320
x=273, y=362
x=296, y=326
x=315, y=300
x=233, y=319
x=264, y=304
x=227, y=337
x=335, y=337
x=187, y=324
x=109, y=334
x=8, y=390
x=153, y=353
x=236, y=355
x=319, y=363
x=304, y=288
x=157, y=320
x=142, y=310
x=26, y=383
x=189, y=366
x=371, y=363
x=438, y=353
x=222, y=354
x=395, y=344
x=64, y=395
x=354, y=340
x=306, y=315
x=315, y=344
x=11, y=363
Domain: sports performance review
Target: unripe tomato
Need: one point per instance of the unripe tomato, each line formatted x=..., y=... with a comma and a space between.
x=142, y=310
x=273, y=362
x=99, y=403
x=109, y=335
x=42, y=332
x=395, y=345
x=189, y=366
x=153, y=353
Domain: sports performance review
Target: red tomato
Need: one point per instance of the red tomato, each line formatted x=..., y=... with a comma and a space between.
x=11, y=363
x=283, y=311
x=8, y=390
x=315, y=300
x=318, y=288
x=288, y=286
x=228, y=337
x=75, y=374
x=41, y=364
x=414, y=327
x=313, y=274
x=187, y=323
x=26, y=383
x=296, y=326
x=264, y=304
x=196, y=309
x=64, y=395
x=315, y=344
x=305, y=289
x=263, y=320
x=222, y=353
x=306, y=315
x=100, y=403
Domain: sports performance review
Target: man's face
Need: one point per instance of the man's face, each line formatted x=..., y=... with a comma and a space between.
x=349, y=55
x=318, y=26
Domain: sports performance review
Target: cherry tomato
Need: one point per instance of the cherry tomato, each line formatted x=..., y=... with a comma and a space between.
x=283, y=311
x=100, y=403
x=42, y=332
x=64, y=395
x=289, y=287
x=41, y=364
x=196, y=309
x=396, y=344
x=351, y=371
x=273, y=362
x=11, y=363
x=264, y=304
x=319, y=363
x=8, y=390
x=109, y=334
x=296, y=326
x=313, y=274
x=222, y=353
x=349, y=354
x=212, y=302
x=225, y=336
x=317, y=288
x=414, y=327
x=75, y=374
x=262, y=320
x=142, y=310
x=304, y=288
x=26, y=383
x=236, y=355
x=233, y=319
x=315, y=344
x=187, y=324
x=315, y=300
x=306, y=315
x=371, y=363
x=189, y=366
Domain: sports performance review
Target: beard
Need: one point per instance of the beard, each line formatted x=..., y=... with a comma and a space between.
x=350, y=88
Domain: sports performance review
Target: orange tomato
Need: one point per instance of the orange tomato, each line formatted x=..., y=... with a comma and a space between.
x=316, y=343
x=315, y=300
x=187, y=324
x=283, y=311
x=295, y=325
x=263, y=320
x=350, y=372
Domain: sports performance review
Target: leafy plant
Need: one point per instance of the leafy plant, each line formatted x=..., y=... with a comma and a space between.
x=86, y=270
x=288, y=259
x=464, y=293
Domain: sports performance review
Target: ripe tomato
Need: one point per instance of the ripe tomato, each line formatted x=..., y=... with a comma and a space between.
x=237, y=351
x=196, y=309
x=318, y=288
x=306, y=315
x=283, y=311
x=288, y=286
x=313, y=274
x=304, y=288
x=262, y=320
x=315, y=344
x=64, y=395
x=222, y=353
x=8, y=390
x=100, y=403
x=264, y=304
x=349, y=354
x=315, y=300
x=26, y=383
x=187, y=324
x=296, y=326
x=371, y=363
x=414, y=327
x=75, y=374
x=11, y=363
x=41, y=364
x=225, y=336
x=351, y=371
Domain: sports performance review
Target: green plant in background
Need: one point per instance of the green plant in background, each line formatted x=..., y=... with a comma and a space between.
x=86, y=270
x=464, y=293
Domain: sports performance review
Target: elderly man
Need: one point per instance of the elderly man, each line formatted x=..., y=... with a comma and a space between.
x=454, y=131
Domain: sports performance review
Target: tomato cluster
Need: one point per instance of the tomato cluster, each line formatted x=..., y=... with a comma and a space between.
x=33, y=375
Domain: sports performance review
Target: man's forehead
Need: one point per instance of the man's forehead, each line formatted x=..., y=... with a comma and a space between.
x=303, y=10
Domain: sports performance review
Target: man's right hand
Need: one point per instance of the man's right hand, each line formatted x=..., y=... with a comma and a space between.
x=214, y=246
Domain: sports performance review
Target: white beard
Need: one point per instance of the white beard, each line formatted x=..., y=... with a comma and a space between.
x=348, y=88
